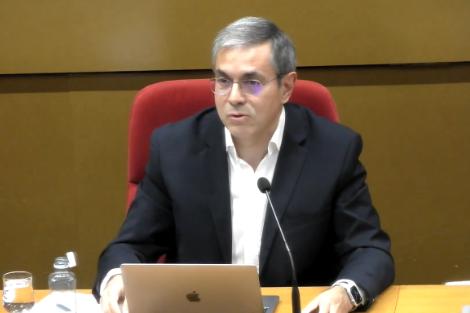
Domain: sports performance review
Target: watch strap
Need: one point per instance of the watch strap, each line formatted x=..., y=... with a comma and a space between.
x=355, y=293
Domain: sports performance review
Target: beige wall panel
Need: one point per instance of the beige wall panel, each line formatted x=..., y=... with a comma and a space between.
x=83, y=36
x=63, y=183
x=37, y=198
x=417, y=153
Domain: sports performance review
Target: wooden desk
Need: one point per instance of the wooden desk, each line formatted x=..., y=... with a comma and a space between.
x=385, y=304
x=396, y=299
x=432, y=298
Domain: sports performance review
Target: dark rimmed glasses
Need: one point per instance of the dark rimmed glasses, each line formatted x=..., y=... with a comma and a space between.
x=221, y=86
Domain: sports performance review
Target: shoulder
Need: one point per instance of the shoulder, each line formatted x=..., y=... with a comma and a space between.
x=191, y=129
x=302, y=120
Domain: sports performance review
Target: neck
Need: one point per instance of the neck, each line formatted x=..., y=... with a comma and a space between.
x=252, y=149
x=251, y=154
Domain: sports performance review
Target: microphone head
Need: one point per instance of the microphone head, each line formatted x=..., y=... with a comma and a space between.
x=264, y=184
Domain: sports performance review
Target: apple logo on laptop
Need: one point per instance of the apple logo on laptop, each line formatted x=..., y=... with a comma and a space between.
x=193, y=296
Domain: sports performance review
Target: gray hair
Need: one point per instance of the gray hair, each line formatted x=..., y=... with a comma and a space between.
x=250, y=31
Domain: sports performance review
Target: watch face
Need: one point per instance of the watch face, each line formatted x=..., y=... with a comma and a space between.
x=356, y=295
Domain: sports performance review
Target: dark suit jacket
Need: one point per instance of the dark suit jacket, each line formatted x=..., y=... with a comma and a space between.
x=182, y=207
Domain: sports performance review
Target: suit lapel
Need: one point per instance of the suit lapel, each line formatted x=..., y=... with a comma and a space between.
x=215, y=162
x=289, y=165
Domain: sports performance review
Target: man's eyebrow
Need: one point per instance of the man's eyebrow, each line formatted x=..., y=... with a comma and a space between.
x=218, y=72
x=253, y=74
x=247, y=75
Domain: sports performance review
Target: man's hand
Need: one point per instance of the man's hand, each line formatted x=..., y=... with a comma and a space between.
x=333, y=300
x=113, y=299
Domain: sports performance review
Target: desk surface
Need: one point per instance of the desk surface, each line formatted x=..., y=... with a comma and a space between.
x=396, y=299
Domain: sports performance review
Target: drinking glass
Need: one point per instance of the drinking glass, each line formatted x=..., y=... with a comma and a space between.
x=18, y=293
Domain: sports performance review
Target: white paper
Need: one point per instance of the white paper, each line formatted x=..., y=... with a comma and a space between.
x=86, y=303
x=458, y=283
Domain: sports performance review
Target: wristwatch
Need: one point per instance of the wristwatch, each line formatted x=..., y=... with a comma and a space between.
x=354, y=293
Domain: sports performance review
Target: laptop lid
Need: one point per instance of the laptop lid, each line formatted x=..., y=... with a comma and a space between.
x=195, y=288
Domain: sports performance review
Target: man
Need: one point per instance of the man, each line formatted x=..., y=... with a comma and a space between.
x=199, y=202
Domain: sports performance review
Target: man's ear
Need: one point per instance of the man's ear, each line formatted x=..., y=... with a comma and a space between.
x=287, y=85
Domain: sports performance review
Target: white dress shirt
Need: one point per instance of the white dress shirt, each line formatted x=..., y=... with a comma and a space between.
x=248, y=204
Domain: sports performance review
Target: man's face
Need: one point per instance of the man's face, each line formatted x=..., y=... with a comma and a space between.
x=251, y=117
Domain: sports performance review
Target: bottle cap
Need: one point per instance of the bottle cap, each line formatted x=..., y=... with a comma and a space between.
x=72, y=258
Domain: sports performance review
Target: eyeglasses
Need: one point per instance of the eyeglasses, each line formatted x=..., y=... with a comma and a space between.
x=222, y=86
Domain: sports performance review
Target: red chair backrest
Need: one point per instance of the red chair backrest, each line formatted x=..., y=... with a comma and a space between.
x=170, y=101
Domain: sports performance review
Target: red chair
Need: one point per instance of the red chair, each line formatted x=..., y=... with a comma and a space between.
x=170, y=101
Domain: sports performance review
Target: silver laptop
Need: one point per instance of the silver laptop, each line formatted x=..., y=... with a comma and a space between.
x=195, y=288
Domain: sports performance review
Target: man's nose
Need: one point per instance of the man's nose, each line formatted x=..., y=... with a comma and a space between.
x=235, y=95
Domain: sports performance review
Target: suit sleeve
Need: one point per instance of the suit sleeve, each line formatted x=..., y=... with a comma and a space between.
x=148, y=229
x=363, y=247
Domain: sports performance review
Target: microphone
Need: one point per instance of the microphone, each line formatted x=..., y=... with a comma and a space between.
x=265, y=187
